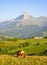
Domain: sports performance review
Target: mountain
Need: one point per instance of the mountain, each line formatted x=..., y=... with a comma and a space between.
x=24, y=26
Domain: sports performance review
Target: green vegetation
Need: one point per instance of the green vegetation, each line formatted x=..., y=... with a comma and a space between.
x=10, y=46
x=29, y=45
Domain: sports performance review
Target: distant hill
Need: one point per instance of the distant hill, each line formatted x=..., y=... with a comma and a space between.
x=24, y=26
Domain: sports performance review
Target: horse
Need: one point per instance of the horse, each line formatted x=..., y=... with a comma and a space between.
x=21, y=54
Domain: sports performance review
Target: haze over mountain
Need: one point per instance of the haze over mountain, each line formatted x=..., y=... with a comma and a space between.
x=25, y=26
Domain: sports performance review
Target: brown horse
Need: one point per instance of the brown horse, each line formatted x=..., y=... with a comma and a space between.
x=21, y=54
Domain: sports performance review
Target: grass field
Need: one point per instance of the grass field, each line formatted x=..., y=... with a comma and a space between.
x=30, y=46
x=29, y=60
x=35, y=50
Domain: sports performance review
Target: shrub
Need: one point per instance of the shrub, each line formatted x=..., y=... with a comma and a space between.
x=46, y=43
x=31, y=54
x=43, y=53
x=12, y=39
x=37, y=44
x=45, y=37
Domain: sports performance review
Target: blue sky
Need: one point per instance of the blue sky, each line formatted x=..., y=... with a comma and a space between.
x=10, y=9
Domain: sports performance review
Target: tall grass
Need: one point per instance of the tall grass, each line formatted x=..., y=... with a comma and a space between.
x=30, y=60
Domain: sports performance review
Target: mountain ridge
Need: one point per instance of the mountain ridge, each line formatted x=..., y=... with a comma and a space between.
x=24, y=26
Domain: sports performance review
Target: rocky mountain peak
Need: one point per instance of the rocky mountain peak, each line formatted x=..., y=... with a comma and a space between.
x=26, y=15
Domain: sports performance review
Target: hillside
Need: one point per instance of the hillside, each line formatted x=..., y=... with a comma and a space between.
x=24, y=26
x=31, y=47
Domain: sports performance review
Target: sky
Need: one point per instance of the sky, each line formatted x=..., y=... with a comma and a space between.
x=10, y=9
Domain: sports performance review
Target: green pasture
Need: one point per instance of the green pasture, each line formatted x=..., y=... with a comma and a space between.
x=30, y=46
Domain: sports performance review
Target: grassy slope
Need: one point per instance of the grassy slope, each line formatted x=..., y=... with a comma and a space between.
x=30, y=60
x=12, y=46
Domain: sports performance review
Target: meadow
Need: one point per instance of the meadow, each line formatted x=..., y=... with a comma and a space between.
x=31, y=46
x=35, y=50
